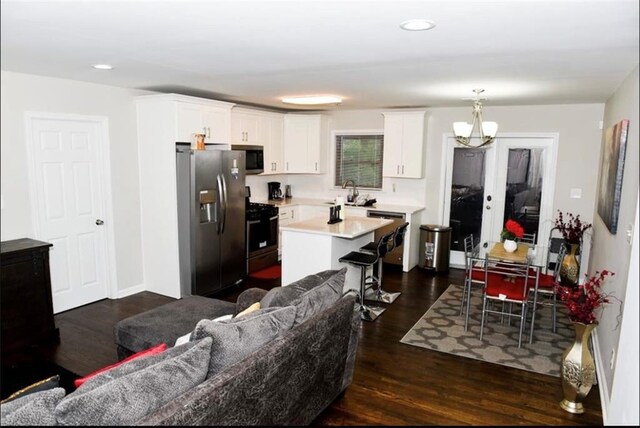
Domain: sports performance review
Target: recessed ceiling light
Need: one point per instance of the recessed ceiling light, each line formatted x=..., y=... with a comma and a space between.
x=313, y=100
x=417, y=25
x=103, y=67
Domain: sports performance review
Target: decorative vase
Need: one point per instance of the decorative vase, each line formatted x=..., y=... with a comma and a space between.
x=578, y=369
x=570, y=267
x=509, y=245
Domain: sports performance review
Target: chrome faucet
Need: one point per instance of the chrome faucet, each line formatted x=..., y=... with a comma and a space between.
x=354, y=192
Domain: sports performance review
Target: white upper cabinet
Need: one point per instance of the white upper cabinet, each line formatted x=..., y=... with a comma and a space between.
x=262, y=128
x=203, y=118
x=272, y=128
x=245, y=127
x=404, y=134
x=303, y=136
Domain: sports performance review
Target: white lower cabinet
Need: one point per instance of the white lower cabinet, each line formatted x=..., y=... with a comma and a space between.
x=286, y=215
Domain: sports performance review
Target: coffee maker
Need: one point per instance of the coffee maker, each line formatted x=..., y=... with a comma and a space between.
x=275, y=193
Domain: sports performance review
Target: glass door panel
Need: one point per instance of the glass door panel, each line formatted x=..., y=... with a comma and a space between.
x=469, y=186
x=467, y=195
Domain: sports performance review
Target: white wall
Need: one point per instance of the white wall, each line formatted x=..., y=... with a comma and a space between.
x=23, y=92
x=613, y=252
x=577, y=125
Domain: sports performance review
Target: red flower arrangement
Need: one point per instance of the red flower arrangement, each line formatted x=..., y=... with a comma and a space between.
x=512, y=230
x=583, y=300
x=572, y=229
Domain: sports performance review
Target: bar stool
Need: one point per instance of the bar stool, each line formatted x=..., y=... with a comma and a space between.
x=365, y=260
x=374, y=280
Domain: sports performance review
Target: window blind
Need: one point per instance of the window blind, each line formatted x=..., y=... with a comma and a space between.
x=359, y=158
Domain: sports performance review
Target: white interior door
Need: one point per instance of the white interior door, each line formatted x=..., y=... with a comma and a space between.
x=68, y=204
x=482, y=186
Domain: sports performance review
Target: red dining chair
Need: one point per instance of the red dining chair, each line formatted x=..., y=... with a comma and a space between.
x=506, y=284
x=546, y=288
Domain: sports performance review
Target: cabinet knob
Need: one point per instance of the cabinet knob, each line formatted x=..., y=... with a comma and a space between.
x=99, y=222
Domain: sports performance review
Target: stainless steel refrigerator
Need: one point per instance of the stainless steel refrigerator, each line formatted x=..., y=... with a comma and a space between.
x=211, y=219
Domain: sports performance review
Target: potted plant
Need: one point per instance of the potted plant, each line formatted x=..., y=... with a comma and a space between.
x=512, y=231
x=578, y=369
x=572, y=229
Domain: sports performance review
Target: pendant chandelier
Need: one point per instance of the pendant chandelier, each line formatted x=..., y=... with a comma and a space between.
x=463, y=130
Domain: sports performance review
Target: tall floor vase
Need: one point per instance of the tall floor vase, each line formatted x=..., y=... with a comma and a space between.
x=578, y=370
x=569, y=267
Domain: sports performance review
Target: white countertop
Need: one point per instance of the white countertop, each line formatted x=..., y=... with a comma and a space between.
x=409, y=209
x=350, y=227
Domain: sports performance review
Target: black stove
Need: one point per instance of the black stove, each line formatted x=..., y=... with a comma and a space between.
x=257, y=211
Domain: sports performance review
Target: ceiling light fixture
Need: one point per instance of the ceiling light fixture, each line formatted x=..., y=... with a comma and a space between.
x=463, y=130
x=417, y=25
x=103, y=67
x=313, y=100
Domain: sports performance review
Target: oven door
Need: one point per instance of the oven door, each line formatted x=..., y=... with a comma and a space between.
x=262, y=236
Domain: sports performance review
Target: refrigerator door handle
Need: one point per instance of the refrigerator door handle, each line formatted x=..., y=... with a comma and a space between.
x=224, y=206
x=220, y=204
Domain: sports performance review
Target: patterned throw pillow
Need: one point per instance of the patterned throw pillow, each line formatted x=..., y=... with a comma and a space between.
x=235, y=339
x=124, y=394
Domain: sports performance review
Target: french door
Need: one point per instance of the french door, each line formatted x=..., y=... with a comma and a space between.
x=513, y=178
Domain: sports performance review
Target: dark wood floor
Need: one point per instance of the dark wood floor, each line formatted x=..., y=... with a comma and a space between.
x=394, y=383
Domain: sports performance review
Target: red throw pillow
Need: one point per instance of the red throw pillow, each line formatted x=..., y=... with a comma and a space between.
x=151, y=351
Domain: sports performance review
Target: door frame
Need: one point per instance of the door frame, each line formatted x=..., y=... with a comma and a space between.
x=545, y=225
x=103, y=164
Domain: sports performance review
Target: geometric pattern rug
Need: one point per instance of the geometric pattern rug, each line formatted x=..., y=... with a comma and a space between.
x=441, y=329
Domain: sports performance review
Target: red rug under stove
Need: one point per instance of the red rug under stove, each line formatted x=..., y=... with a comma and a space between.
x=271, y=272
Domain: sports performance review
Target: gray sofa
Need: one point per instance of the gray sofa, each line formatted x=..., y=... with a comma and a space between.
x=304, y=364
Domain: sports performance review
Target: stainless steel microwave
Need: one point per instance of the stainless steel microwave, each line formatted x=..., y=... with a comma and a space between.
x=254, y=156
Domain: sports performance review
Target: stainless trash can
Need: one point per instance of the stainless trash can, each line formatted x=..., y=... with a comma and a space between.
x=435, y=241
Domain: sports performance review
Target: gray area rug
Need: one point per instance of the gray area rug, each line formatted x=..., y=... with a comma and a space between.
x=441, y=328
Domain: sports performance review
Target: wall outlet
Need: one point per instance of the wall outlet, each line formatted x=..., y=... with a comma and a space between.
x=613, y=359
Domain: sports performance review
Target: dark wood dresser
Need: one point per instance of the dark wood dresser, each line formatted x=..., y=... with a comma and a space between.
x=27, y=309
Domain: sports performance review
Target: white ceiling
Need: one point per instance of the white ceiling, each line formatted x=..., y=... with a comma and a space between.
x=254, y=52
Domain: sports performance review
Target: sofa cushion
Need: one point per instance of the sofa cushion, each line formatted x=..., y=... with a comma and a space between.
x=235, y=339
x=151, y=351
x=166, y=323
x=283, y=296
x=248, y=297
x=320, y=297
x=128, y=392
x=37, y=408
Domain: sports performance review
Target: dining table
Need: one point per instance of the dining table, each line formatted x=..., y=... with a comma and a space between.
x=534, y=254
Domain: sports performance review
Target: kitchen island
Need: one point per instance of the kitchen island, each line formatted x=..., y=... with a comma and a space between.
x=312, y=245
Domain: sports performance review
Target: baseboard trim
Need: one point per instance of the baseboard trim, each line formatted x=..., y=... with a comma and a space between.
x=131, y=291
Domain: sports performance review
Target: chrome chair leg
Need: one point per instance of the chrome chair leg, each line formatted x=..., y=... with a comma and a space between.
x=376, y=293
x=367, y=312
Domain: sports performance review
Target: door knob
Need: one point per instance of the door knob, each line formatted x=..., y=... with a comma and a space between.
x=99, y=222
